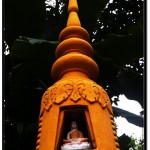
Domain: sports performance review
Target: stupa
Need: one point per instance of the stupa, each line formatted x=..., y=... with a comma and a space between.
x=75, y=94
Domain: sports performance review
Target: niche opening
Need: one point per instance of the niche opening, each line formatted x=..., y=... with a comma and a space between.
x=82, y=117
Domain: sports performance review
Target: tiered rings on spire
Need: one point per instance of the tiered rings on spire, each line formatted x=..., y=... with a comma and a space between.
x=74, y=52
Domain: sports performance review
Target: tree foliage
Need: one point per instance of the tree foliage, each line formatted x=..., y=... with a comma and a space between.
x=136, y=144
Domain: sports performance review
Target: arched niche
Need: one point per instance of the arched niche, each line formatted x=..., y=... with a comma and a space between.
x=77, y=113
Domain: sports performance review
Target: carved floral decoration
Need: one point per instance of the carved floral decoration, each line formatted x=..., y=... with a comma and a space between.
x=74, y=89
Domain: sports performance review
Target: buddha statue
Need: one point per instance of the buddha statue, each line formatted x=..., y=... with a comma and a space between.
x=75, y=139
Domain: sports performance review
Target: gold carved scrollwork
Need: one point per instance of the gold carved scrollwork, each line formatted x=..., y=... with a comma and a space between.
x=60, y=91
x=103, y=99
x=88, y=90
x=47, y=102
x=74, y=89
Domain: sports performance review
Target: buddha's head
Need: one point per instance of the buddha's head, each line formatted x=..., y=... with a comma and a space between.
x=74, y=125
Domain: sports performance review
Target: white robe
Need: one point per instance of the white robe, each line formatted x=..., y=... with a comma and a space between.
x=75, y=143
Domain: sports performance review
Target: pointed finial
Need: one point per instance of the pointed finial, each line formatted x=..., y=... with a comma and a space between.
x=73, y=19
x=73, y=6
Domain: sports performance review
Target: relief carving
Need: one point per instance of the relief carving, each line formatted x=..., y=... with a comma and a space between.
x=103, y=99
x=46, y=102
x=60, y=91
x=74, y=89
x=89, y=91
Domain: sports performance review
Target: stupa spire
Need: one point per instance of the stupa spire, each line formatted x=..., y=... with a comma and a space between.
x=74, y=51
x=73, y=19
x=73, y=6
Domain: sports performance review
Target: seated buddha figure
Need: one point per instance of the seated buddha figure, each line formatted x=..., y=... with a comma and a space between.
x=75, y=139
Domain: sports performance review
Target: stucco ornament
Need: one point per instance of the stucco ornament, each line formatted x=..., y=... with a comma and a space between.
x=74, y=89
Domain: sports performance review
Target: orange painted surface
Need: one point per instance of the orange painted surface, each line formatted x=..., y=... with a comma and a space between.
x=75, y=95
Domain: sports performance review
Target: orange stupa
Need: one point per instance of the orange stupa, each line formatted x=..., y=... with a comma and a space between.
x=75, y=95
